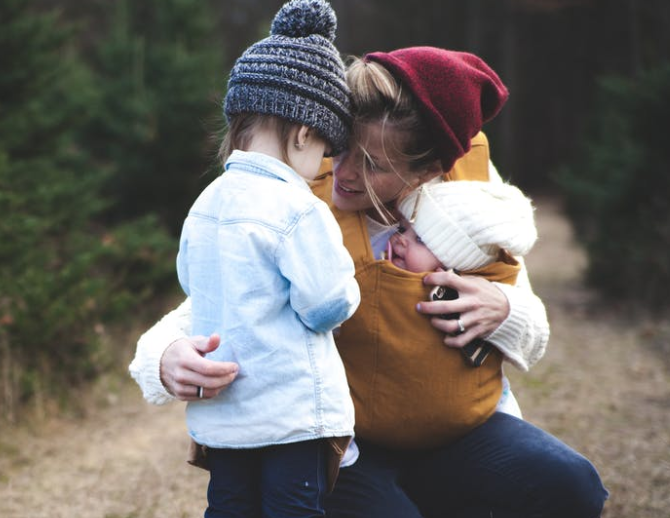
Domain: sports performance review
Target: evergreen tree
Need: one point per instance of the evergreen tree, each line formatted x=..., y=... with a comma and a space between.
x=62, y=274
x=617, y=191
x=160, y=78
x=47, y=198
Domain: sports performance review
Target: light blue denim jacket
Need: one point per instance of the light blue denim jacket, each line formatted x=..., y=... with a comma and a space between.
x=263, y=261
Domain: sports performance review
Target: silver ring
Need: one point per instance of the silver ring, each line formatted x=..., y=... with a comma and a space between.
x=199, y=392
x=461, y=327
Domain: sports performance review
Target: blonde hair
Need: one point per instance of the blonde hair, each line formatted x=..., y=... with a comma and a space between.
x=242, y=127
x=379, y=98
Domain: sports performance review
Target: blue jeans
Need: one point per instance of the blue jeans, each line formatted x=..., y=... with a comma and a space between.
x=287, y=481
x=506, y=468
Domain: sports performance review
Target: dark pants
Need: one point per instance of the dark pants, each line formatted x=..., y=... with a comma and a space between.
x=287, y=481
x=506, y=468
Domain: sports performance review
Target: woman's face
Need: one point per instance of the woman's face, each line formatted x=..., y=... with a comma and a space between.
x=387, y=175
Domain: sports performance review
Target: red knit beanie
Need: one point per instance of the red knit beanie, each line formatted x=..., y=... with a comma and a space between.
x=456, y=91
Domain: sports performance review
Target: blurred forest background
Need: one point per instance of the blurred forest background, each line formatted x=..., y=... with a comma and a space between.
x=110, y=115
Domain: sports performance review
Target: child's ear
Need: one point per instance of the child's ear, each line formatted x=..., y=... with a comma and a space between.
x=302, y=136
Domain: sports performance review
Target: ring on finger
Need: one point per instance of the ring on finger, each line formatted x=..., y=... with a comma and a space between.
x=461, y=327
x=200, y=390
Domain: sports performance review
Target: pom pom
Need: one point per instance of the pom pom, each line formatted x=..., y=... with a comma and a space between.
x=302, y=18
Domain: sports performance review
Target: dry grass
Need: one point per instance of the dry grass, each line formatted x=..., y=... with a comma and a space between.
x=602, y=388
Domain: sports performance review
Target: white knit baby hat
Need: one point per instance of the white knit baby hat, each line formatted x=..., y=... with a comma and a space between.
x=466, y=223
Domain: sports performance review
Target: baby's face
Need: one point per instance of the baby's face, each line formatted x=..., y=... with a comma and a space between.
x=409, y=252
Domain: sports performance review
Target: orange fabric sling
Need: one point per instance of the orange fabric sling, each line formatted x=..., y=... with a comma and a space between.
x=409, y=389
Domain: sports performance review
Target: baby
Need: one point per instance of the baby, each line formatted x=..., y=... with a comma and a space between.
x=474, y=228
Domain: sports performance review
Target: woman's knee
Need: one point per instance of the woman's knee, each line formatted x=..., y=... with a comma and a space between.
x=577, y=489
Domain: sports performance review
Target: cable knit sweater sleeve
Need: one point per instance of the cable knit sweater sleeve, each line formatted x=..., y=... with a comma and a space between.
x=523, y=336
x=145, y=367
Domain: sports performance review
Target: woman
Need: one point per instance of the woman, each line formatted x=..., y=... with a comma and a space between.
x=417, y=111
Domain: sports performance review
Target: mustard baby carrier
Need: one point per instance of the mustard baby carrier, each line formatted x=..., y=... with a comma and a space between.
x=409, y=389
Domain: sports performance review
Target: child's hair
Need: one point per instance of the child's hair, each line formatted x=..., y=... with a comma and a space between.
x=241, y=129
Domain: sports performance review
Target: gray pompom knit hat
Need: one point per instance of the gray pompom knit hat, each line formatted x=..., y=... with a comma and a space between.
x=296, y=73
x=465, y=224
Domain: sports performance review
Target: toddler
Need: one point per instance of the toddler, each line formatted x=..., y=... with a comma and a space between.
x=263, y=262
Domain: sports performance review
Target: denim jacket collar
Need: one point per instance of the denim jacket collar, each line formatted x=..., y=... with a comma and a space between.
x=262, y=164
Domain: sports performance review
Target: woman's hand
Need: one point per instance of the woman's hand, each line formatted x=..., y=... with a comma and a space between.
x=183, y=369
x=482, y=307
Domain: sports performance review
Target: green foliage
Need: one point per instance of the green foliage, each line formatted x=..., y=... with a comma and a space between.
x=158, y=75
x=63, y=274
x=138, y=262
x=47, y=197
x=618, y=190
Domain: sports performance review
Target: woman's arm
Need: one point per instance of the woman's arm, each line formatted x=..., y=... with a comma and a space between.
x=169, y=365
x=523, y=335
x=513, y=318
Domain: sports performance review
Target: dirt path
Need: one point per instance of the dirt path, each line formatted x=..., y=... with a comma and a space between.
x=124, y=461
x=603, y=387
